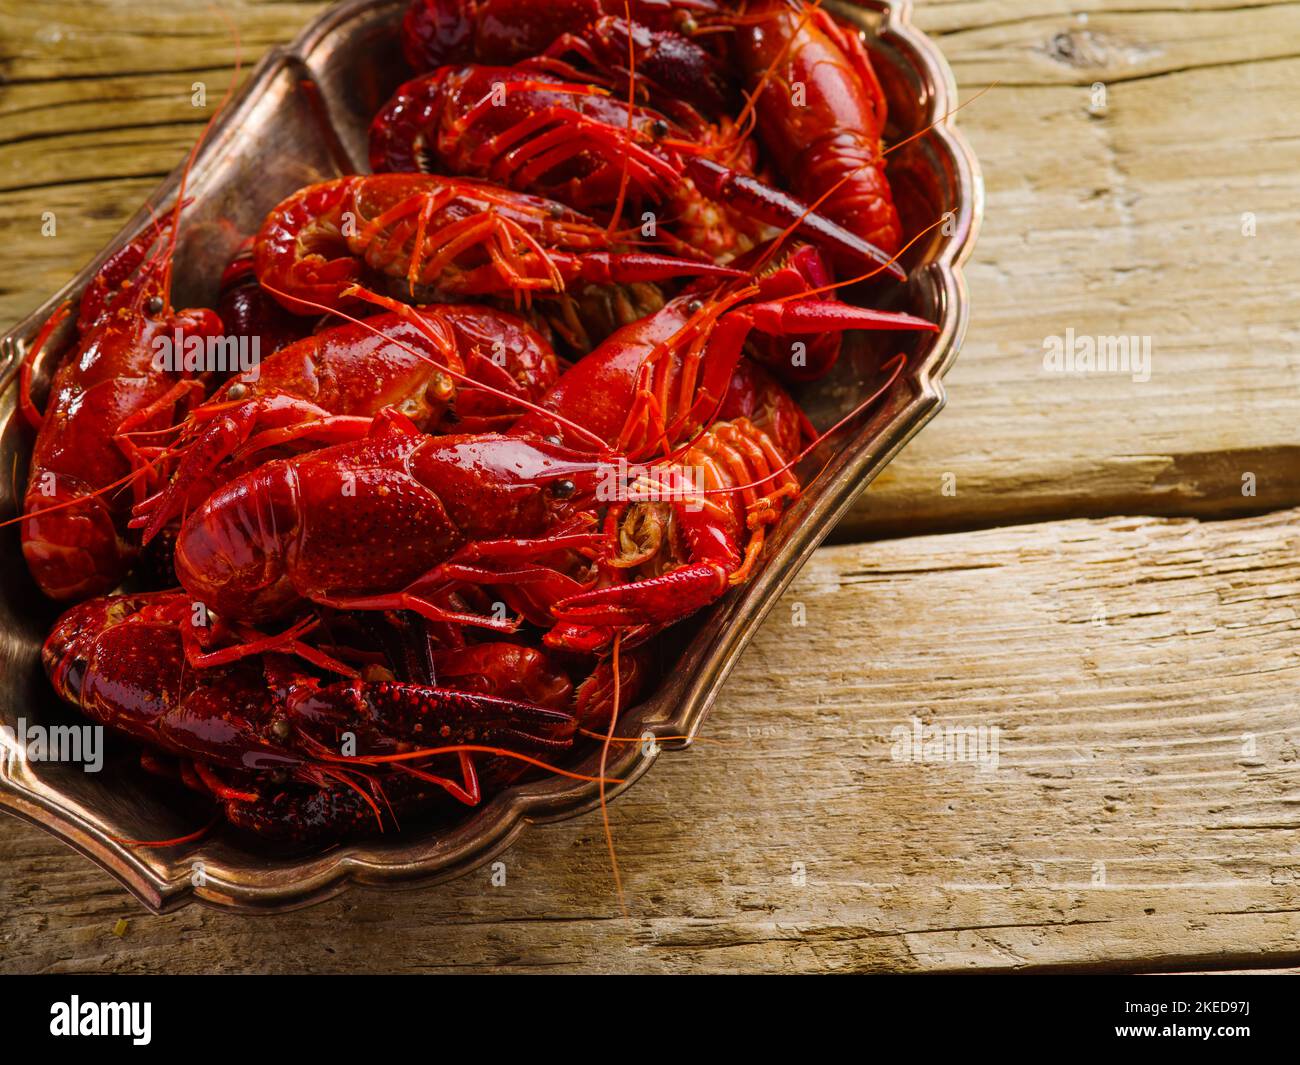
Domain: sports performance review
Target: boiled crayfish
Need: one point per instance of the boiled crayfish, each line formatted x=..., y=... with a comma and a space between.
x=504, y=432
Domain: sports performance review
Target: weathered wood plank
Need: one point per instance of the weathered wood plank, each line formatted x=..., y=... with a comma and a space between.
x=1126, y=220
x=1120, y=221
x=1122, y=743
x=1142, y=812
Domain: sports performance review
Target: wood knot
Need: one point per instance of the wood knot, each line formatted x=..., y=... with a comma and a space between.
x=1083, y=49
x=1078, y=48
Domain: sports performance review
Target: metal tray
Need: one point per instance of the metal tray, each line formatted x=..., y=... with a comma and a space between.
x=302, y=117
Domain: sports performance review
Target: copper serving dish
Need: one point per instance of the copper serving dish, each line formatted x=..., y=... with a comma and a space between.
x=302, y=117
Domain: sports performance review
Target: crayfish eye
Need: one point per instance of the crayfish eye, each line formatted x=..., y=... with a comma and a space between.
x=563, y=489
x=553, y=439
x=557, y=211
x=694, y=307
x=153, y=305
x=660, y=128
x=237, y=391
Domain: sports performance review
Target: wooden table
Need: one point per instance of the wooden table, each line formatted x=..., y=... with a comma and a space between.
x=1113, y=585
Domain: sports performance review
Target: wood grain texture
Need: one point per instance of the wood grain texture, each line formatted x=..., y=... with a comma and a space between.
x=1121, y=221
x=1140, y=670
x=1142, y=813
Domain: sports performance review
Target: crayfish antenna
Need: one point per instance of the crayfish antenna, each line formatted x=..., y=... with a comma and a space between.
x=725, y=185
x=832, y=286
x=850, y=175
x=176, y=842
x=413, y=316
x=749, y=113
x=194, y=152
x=473, y=748
x=630, y=130
x=120, y=483
x=98, y=293
x=604, y=758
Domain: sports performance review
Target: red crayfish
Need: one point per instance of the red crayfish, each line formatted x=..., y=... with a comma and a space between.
x=74, y=534
x=262, y=736
x=821, y=113
x=440, y=239
x=503, y=432
x=589, y=150
x=462, y=366
x=492, y=509
x=439, y=32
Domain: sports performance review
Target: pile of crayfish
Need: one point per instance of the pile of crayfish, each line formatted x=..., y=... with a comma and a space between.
x=522, y=405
